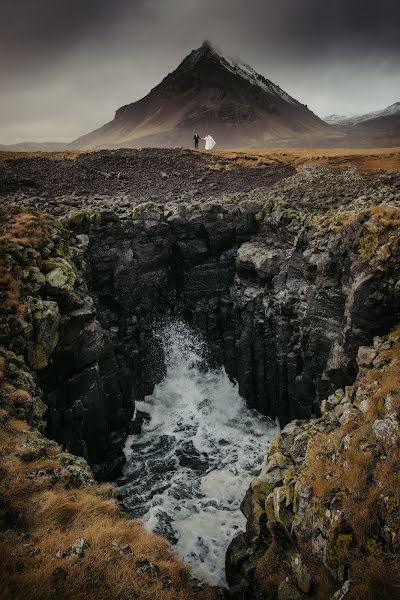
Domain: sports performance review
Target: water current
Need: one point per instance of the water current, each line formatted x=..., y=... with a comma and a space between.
x=188, y=469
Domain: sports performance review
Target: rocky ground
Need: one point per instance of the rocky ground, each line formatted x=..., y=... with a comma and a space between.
x=288, y=273
x=119, y=180
x=133, y=175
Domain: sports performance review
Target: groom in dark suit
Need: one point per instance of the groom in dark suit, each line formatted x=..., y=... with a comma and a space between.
x=196, y=138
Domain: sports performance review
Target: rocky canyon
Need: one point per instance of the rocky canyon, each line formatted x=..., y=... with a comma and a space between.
x=288, y=267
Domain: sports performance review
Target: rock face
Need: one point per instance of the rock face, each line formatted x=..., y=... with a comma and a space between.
x=284, y=295
x=327, y=495
x=284, y=301
x=48, y=317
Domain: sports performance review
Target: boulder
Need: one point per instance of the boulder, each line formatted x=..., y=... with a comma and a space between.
x=387, y=430
x=60, y=275
x=366, y=356
x=255, y=256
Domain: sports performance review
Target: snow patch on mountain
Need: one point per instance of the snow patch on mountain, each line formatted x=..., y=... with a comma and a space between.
x=247, y=72
x=242, y=70
x=335, y=119
x=393, y=109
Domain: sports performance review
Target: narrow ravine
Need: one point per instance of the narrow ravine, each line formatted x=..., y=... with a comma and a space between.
x=188, y=470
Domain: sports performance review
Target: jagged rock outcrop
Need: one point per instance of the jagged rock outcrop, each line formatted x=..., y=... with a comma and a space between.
x=327, y=498
x=48, y=318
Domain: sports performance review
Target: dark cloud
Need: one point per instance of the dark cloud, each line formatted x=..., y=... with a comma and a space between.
x=70, y=63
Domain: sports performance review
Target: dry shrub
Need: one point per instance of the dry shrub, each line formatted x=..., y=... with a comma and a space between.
x=366, y=473
x=388, y=216
x=323, y=583
x=2, y=368
x=22, y=230
x=321, y=471
x=26, y=228
x=271, y=570
x=333, y=223
x=375, y=579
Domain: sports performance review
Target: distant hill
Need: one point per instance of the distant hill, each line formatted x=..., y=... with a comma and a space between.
x=35, y=147
x=212, y=94
x=380, y=127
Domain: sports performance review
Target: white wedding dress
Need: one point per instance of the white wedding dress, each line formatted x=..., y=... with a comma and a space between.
x=210, y=142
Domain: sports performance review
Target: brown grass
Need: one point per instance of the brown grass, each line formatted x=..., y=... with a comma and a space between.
x=42, y=515
x=376, y=580
x=271, y=570
x=67, y=155
x=365, y=476
x=362, y=159
x=21, y=231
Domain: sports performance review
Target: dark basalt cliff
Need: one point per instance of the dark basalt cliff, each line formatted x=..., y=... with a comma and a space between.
x=285, y=312
x=285, y=298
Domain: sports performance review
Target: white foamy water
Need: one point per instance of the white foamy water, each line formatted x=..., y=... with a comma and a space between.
x=188, y=470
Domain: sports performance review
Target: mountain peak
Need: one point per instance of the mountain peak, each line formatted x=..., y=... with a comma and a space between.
x=207, y=45
x=208, y=53
x=205, y=50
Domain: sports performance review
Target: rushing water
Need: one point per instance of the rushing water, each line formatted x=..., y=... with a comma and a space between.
x=188, y=470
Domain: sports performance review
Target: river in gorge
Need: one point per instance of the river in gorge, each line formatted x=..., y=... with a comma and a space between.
x=188, y=469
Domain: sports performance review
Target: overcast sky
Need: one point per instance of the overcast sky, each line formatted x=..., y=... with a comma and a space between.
x=67, y=65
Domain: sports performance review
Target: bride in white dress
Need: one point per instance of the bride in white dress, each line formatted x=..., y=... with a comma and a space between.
x=210, y=142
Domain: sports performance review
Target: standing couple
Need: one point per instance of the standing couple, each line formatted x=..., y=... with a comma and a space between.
x=210, y=142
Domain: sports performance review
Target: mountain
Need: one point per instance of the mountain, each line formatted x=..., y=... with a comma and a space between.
x=377, y=128
x=34, y=147
x=367, y=120
x=212, y=94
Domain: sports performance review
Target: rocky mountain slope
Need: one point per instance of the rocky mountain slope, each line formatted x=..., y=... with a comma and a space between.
x=287, y=278
x=377, y=125
x=341, y=120
x=209, y=93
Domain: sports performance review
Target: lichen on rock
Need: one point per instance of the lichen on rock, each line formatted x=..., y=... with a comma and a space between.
x=338, y=505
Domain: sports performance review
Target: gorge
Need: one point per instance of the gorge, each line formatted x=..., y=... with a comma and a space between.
x=285, y=281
